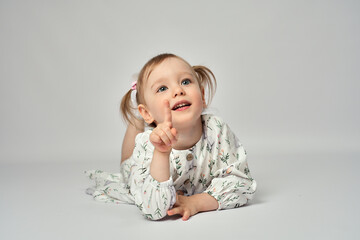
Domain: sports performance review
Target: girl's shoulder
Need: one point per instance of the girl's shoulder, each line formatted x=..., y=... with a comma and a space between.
x=216, y=128
x=143, y=139
x=212, y=121
x=143, y=136
x=215, y=125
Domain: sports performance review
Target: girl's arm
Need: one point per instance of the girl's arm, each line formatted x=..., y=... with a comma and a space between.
x=232, y=185
x=162, y=137
x=160, y=165
x=129, y=139
x=150, y=180
x=153, y=198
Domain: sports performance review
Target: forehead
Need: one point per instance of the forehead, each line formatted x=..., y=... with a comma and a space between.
x=167, y=68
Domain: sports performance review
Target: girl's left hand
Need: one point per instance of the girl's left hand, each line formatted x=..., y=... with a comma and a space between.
x=185, y=206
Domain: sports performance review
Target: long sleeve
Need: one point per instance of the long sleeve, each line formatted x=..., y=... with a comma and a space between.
x=153, y=198
x=232, y=185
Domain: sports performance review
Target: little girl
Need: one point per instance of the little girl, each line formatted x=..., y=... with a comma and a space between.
x=185, y=161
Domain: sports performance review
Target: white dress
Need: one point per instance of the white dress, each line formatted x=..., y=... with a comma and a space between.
x=216, y=165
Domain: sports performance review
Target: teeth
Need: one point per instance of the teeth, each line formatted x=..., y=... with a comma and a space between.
x=180, y=105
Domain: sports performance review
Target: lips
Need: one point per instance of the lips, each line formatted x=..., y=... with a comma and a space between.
x=180, y=104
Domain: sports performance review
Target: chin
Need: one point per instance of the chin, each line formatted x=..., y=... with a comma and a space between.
x=185, y=119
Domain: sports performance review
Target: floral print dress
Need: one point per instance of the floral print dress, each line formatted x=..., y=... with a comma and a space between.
x=216, y=165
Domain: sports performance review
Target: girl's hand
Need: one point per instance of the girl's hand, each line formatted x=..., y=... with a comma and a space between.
x=164, y=135
x=185, y=206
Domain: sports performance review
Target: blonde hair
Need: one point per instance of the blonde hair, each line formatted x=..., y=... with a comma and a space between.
x=204, y=76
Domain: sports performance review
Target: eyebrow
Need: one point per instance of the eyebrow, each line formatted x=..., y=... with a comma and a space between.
x=162, y=79
x=157, y=81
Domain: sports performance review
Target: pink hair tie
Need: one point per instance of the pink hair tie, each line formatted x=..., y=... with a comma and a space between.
x=133, y=85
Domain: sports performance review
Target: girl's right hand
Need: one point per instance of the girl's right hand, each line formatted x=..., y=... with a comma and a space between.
x=164, y=135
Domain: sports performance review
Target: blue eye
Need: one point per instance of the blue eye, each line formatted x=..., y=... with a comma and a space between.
x=161, y=89
x=186, y=82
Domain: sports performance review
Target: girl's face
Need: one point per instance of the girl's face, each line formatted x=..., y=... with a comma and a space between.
x=172, y=80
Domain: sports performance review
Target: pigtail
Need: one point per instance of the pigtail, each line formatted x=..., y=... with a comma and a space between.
x=207, y=80
x=127, y=109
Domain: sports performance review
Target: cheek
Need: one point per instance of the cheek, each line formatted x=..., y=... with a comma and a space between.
x=156, y=109
x=197, y=100
x=198, y=95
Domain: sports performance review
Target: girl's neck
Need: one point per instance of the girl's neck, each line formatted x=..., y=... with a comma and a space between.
x=189, y=136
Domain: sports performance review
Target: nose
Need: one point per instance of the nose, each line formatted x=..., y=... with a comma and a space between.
x=179, y=92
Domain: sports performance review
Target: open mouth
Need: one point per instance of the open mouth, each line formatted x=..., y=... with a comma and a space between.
x=181, y=106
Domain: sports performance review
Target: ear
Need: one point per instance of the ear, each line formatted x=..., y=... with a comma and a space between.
x=145, y=114
x=203, y=97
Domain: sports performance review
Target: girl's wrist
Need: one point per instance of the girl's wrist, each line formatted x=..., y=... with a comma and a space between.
x=166, y=153
x=160, y=166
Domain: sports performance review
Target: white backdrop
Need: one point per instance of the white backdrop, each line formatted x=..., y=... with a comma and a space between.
x=288, y=86
x=287, y=71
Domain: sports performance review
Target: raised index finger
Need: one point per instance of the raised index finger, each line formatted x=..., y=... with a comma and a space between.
x=168, y=117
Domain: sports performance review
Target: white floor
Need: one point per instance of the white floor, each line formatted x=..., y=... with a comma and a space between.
x=298, y=197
